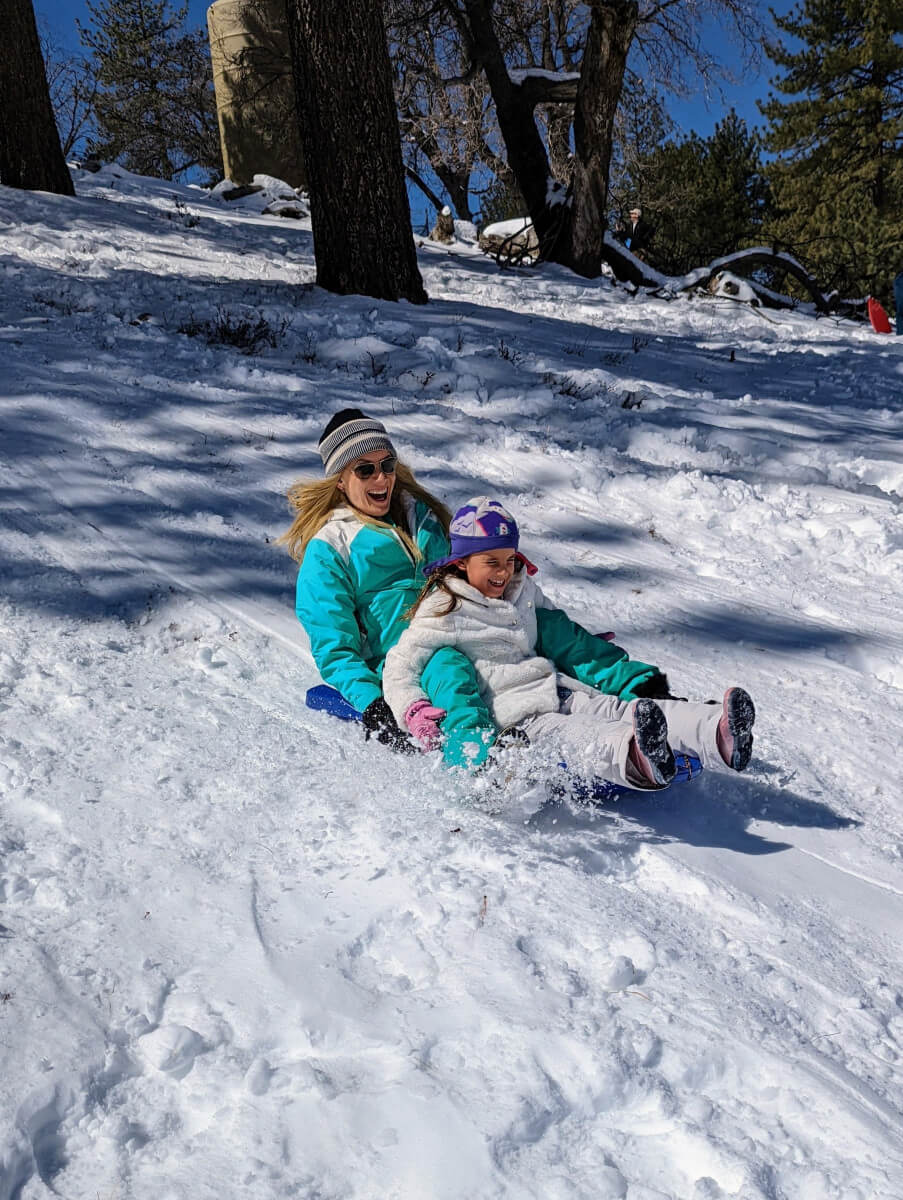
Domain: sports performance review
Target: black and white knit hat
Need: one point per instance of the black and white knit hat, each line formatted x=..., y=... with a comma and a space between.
x=347, y=436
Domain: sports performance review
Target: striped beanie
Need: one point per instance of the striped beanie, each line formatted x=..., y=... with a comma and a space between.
x=347, y=436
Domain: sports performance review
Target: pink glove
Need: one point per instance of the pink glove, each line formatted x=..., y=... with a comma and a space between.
x=423, y=722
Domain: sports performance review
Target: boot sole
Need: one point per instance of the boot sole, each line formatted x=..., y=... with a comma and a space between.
x=741, y=716
x=650, y=730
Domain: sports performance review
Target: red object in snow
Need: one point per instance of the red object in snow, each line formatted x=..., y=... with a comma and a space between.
x=878, y=317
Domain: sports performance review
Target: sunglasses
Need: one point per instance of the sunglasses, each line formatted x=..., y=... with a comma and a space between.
x=365, y=469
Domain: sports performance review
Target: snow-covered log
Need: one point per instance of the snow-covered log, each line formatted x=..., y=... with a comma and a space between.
x=631, y=269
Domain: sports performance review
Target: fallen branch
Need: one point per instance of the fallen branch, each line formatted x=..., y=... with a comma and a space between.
x=520, y=244
x=628, y=268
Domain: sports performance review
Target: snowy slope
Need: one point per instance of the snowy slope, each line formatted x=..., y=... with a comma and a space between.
x=243, y=954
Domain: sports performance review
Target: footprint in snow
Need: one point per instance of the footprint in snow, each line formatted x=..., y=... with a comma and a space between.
x=172, y=1049
x=258, y=1076
x=207, y=661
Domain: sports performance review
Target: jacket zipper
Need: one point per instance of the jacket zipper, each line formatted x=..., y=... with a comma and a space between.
x=400, y=541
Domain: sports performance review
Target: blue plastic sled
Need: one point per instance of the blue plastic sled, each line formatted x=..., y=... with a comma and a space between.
x=326, y=699
x=323, y=698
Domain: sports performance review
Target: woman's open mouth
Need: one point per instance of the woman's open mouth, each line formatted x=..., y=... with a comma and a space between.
x=379, y=497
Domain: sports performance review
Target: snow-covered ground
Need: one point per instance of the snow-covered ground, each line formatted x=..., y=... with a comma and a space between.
x=242, y=954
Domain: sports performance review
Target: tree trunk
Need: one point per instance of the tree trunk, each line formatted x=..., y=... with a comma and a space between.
x=30, y=154
x=457, y=184
x=559, y=119
x=420, y=182
x=608, y=42
x=573, y=236
x=526, y=153
x=363, y=240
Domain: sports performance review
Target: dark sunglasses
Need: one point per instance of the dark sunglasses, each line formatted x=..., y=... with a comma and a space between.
x=365, y=469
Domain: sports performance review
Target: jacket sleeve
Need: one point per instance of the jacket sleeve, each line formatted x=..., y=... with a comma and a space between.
x=325, y=606
x=424, y=663
x=580, y=654
x=468, y=730
x=406, y=660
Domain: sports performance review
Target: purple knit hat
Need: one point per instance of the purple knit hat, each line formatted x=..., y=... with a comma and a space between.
x=481, y=524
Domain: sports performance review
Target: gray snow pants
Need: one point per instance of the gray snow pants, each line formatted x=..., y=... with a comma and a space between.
x=592, y=734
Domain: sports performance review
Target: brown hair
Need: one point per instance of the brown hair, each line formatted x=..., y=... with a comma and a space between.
x=315, y=500
x=436, y=582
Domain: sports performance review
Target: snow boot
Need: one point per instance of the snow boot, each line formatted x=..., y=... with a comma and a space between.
x=649, y=749
x=734, y=734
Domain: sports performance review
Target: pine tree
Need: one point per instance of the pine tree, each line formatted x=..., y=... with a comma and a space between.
x=737, y=195
x=838, y=178
x=155, y=110
x=706, y=196
x=30, y=154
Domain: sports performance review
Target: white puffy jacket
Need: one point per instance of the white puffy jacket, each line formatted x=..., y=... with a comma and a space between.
x=498, y=636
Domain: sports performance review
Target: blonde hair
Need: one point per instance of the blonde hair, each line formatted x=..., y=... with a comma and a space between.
x=315, y=500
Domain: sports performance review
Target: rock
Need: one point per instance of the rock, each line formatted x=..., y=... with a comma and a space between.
x=732, y=287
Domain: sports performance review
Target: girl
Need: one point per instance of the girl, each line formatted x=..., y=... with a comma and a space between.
x=540, y=672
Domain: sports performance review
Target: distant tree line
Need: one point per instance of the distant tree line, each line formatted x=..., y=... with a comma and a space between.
x=542, y=108
x=140, y=92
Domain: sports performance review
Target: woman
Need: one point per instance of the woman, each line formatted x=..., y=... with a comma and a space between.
x=361, y=536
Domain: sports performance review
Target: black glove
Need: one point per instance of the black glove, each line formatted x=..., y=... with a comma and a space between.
x=379, y=723
x=655, y=688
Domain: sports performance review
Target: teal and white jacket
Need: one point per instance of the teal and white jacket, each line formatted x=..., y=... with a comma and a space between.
x=355, y=583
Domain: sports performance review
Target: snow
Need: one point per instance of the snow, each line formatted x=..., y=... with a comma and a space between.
x=243, y=953
x=506, y=228
x=520, y=74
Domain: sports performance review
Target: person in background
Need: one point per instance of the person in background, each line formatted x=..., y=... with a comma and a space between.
x=637, y=233
x=898, y=302
x=361, y=536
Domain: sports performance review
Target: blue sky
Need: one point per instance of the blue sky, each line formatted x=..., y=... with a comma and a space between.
x=694, y=113
x=61, y=15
